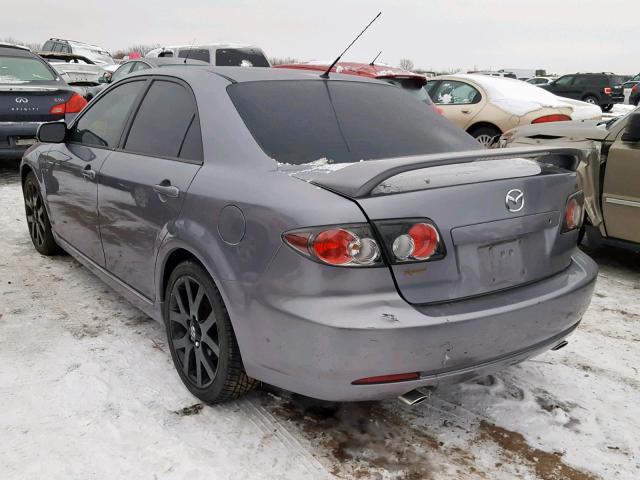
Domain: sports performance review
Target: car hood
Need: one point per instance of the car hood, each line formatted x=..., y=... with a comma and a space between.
x=577, y=130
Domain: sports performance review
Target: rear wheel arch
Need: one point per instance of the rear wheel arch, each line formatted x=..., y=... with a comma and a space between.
x=171, y=261
x=24, y=171
x=477, y=126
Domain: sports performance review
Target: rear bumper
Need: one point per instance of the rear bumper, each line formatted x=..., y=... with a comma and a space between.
x=10, y=133
x=318, y=345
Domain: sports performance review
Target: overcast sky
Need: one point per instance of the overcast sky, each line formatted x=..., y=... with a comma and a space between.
x=558, y=35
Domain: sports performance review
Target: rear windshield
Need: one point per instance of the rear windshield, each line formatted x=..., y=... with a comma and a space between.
x=24, y=70
x=411, y=85
x=241, y=57
x=301, y=121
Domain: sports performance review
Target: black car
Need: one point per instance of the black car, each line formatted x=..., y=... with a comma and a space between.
x=31, y=92
x=631, y=88
x=603, y=89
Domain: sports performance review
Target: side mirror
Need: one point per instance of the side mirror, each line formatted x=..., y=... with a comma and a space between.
x=52, y=132
x=632, y=132
x=105, y=78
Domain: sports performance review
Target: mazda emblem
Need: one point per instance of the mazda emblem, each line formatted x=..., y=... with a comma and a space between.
x=514, y=200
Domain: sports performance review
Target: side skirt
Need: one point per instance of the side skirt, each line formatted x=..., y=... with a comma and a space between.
x=133, y=296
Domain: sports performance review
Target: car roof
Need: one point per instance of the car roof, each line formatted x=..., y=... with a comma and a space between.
x=245, y=74
x=162, y=61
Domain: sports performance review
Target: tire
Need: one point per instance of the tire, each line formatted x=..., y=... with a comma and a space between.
x=198, y=324
x=591, y=99
x=487, y=136
x=606, y=108
x=37, y=218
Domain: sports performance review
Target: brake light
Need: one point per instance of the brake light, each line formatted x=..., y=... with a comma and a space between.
x=74, y=105
x=552, y=118
x=574, y=212
x=608, y=90
x=347, y=246
x=411, y=240
x=399, y=377
x=634, y=88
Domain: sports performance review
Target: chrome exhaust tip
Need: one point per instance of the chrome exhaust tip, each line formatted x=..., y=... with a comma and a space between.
x=562, y=344
x=413, y=397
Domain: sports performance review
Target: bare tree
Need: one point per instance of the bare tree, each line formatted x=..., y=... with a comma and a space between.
x=406, y=64
x=32, y=45
x=281, y=60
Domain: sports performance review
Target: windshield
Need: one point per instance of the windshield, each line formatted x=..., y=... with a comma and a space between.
x=241, y=57
x=24, y=70
x=301, y=121
x=413, y=86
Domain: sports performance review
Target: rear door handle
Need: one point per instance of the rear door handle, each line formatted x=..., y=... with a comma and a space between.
x=165, y=188
x=88, y=173
x=466, y=111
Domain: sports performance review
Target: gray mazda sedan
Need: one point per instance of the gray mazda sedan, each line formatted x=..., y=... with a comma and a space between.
x=332, y=237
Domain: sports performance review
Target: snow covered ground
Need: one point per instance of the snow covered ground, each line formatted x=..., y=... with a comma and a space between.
x=88, y=391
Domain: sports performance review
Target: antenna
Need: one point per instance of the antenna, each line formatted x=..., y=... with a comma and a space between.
x=186, y=57
x=374, y=60
x=326, y=74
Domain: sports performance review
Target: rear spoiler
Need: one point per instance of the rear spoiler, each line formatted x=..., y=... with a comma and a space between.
x=359, y=179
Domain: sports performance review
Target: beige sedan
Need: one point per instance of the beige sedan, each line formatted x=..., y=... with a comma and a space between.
x=487, y=106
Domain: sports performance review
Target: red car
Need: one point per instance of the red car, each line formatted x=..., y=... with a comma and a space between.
x=412, y=82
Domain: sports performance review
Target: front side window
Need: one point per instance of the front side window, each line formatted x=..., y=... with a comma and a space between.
x=564, y=81
x=164, y=119
x=102, y=123
x=24, y=70
x=451, y=92
x=122, y=72
x=301, y=121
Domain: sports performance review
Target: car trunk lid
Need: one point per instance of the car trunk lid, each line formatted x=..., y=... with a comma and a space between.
x=30, y=103
x=490, y=244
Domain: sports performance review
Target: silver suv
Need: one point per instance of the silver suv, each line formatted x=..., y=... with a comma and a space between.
x=97, y=54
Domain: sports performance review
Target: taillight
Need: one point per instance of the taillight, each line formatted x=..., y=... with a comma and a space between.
x=74, y=105
x=552, y=118
x=412, y=240
x=574, y=212
x=634, y=88
x=608, y=90
x=346, y=246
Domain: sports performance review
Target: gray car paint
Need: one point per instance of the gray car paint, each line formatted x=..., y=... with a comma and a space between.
x=313, y=328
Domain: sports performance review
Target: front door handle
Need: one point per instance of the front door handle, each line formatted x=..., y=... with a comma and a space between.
x=88, y=173
x=165, y=188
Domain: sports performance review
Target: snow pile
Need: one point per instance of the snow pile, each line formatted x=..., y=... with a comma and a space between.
x=583, y=110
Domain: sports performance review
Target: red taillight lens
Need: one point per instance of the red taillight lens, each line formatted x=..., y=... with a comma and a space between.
x=552, y=118
x=349, y=246
x=574, y=212
x=399, y=377
x=634, y=88
x=425, y=239
x=74, y=105
x=411, y=240
x=335, y=246
x=608, y=90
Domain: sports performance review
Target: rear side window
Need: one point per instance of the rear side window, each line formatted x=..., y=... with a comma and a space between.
x=241, y=57
x=164, y=122
x=451, y=92
x=102, y=124
x=201, y=54
x=47, y=46
x=301, y=121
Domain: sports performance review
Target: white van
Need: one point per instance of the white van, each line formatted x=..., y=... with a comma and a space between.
x=221, y=54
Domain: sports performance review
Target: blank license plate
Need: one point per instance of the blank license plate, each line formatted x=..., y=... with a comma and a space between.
x=503, y=262
x=25, y=141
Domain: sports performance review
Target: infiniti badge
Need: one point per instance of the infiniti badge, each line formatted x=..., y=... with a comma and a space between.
x=22, y=100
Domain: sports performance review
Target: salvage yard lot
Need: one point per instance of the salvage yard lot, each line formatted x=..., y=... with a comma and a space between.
x=89, y=391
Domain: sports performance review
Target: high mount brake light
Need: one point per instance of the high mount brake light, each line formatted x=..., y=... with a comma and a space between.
x=74, y=105
x=346, y=246
x=552, y=118
x=574, y=212
x=411, y=240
